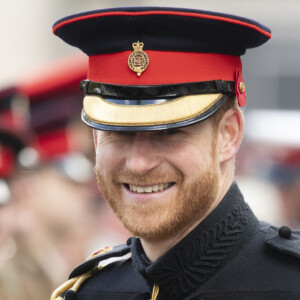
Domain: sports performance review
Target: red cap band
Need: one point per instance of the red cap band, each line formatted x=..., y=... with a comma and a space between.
x=240, y=90
x=165, y=67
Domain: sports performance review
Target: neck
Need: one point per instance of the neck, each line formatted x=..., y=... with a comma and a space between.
x=156, y=248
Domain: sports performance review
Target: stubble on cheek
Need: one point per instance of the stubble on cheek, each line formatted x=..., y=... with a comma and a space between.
x=138, y=218
x=163, y=219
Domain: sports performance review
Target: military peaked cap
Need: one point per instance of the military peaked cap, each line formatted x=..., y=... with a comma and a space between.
x=153, y=68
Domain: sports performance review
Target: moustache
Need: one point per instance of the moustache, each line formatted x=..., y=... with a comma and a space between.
x=149, y=178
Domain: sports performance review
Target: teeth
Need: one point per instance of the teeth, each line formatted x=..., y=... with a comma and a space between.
x=149, y=189
x=139, y=189
x=155, y=188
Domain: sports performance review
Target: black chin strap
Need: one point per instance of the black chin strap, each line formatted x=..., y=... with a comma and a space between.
x=163, y=91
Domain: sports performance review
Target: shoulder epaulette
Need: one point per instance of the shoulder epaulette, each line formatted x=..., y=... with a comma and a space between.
x=98, y=256
x=284, y=240
x=87, y=270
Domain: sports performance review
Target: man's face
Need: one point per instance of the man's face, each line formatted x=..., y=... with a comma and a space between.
x=158, y=183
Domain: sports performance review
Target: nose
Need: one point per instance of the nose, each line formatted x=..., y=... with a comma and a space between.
x=143, y=155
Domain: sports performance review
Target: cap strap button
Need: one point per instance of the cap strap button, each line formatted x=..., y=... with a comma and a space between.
x=242, y=87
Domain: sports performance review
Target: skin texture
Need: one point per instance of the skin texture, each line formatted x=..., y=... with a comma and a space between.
x=197, y=163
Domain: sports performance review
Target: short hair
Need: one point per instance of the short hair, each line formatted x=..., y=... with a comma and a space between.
x=231, y=102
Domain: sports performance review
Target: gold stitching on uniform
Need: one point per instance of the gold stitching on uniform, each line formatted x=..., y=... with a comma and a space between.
x=101, y=111
x=72, y=284
x=155, y=292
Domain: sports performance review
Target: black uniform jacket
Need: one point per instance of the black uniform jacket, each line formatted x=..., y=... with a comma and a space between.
x=230, y=255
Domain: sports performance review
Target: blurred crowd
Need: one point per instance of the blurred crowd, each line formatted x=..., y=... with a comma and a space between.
x=52, y=215
x=270, y=154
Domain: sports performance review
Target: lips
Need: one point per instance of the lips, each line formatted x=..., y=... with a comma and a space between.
x=149, y=189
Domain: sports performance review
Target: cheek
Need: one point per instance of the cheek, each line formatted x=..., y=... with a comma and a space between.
x=191, y=160
x=185, y=160
x=108, y=157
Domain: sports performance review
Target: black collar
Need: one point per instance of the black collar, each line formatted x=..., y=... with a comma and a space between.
x=208, y=248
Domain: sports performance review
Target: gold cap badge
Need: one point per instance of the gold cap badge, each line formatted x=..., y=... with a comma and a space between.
x=138, y=60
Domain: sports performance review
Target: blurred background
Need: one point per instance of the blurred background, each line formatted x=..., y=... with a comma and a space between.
x=52, y=215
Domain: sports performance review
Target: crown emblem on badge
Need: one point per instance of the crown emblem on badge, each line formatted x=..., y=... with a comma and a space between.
x=138, y=60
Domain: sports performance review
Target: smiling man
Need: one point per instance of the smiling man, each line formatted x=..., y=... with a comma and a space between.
x=160, y=184
x=163, y=94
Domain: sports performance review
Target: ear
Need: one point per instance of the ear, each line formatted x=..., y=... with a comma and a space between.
x=231, y=130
